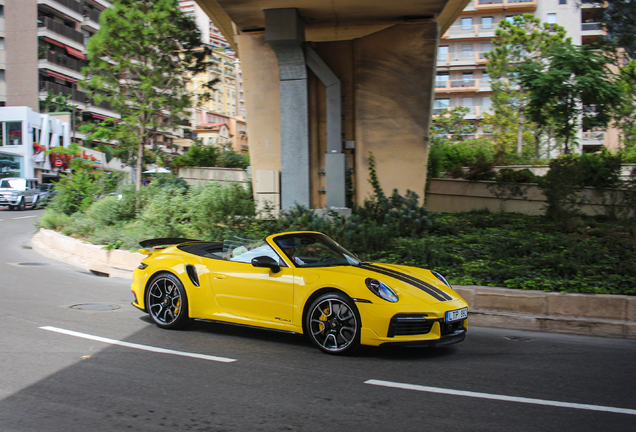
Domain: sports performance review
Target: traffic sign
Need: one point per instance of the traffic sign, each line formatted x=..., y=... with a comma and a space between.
x=58, y=163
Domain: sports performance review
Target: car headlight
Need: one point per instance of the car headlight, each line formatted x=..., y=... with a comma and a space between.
x=382, y=290
x=442, y=278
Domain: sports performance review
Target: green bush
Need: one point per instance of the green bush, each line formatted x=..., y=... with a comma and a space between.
x=52, y=219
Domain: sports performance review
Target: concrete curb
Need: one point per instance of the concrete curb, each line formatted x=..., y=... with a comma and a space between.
x=112, y=263
x=583, y=314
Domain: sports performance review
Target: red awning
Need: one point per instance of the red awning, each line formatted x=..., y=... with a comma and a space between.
x=55, y=42
x=76, y=53
x=103, y=117
x=60, y=76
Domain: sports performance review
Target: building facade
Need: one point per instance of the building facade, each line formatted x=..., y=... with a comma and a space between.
x=44, y=48
x=226, y=105
x=461, y=78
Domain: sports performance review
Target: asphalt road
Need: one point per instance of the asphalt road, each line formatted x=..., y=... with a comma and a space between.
x=55, y=380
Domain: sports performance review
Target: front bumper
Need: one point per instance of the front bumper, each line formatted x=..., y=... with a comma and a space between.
x=10, y=201
x=450, y=339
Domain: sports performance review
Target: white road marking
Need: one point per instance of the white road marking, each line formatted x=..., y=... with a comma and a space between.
x=500, y=397
x=138, y=346
x=24, y=217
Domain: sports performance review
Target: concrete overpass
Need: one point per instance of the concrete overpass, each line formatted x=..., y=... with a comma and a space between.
x=326, y=84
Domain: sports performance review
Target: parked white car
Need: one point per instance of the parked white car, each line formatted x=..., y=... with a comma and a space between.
x=17, y=193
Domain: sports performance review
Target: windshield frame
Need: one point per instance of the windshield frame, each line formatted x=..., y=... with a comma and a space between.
x=350, y=259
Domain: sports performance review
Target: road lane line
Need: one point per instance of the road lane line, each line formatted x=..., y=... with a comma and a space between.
x=138, y=346
x=500, y=397
x=24, y=217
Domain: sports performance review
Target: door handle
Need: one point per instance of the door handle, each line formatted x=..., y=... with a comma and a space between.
x=219, y=277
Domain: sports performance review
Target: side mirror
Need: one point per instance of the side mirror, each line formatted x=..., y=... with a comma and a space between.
x=266, y=262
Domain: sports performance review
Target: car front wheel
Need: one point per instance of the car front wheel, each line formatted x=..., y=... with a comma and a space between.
x=166, y=302
x=333, y=324
x=21, y=205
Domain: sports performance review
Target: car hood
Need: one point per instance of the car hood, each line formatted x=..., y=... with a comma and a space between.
x=410, y=283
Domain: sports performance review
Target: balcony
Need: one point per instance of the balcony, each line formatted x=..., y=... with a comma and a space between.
x=54, y=29
x=72, y=9
x=592, y=27
x=75, y=95
x=457, y=86
x=470, y=58
x=474, y=112
x=91, y=19
x=470, y=31
x=63, y=61
x=596, y=138
x=507, y=5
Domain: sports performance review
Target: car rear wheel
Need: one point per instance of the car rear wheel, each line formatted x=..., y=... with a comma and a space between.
x=166, y=302
x=333, y=324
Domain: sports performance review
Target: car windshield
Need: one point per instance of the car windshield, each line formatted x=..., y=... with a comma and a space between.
x=242, y=249
x=13, y=184
x=315, y=250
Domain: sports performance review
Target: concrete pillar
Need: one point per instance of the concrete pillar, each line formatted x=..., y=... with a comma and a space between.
x=395, y=72
x=284, y=31
x=21, y=42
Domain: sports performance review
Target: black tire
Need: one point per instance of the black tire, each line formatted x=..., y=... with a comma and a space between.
x=333, y=324
x=11, y=207
x=21, y=205
x=167, y=302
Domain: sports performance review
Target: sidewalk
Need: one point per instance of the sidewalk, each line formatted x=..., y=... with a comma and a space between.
x=583, y=314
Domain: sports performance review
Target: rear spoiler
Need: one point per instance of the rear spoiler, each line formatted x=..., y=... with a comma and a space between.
x=168, y=241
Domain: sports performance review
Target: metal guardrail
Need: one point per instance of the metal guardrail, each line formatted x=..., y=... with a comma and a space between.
x=93, y=15
x=63, y=60
x=61, y=29
x=74, y=5
x=591, y=26
x=76, y=95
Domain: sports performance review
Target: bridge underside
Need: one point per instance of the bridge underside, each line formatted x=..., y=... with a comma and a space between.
x=327, y=84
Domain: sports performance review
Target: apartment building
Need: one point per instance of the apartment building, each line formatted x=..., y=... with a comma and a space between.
x=226, y=105
x=461, y=78
x=44, y=44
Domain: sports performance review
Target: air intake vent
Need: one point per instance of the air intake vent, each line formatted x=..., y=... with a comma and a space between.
x=192, y=273
x=409, y=325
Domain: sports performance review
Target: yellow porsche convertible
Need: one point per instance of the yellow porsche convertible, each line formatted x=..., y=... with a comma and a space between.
x=301, y=282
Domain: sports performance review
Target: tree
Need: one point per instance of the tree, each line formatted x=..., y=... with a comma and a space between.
x=573, y=83
x=453, y=123
x=619, y=20
x=520, y=41
x=625, y=114
x=138, y=62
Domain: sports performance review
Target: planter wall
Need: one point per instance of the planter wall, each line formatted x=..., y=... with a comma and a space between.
x=199, y=175
x=459, y=195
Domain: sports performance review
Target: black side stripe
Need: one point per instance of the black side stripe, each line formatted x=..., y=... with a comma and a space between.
x=428, y=288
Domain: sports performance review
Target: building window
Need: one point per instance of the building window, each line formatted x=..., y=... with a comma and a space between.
x=486, y=22
x=12, y=133
x=440, y=105
x=1, y=75
x=484, y=76
x=467, y=50
x=467, y=102
x=563, y=1
x=11, y=166
x=510, y=18
x=441, y=80
x=1, y=11
x=442, y=53
x=467, y=23
x=551, y=18
x=2, y=44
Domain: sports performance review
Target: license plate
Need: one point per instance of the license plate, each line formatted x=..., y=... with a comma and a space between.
x=456, y=315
